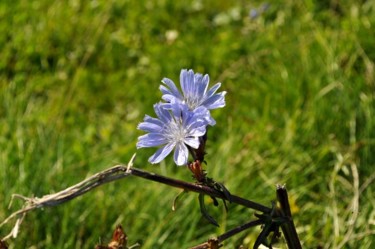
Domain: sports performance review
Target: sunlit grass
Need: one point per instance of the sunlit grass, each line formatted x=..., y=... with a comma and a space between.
x=76, y=78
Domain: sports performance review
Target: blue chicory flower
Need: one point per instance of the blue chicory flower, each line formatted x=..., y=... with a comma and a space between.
x=194, y=92
x=175, y=128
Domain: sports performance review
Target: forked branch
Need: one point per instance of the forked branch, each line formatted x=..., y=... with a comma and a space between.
x=114, y=173
x=121, y=171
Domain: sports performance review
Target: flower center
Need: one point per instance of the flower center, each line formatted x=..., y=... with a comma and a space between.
x=192, y=102
x=175, y=131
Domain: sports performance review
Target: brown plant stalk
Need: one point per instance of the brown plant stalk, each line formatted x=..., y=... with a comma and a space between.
x=108, y=175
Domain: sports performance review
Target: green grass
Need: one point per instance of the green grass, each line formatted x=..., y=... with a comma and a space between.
x=76, y=77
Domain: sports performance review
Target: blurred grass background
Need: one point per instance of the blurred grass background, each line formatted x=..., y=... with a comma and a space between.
x=76, y=77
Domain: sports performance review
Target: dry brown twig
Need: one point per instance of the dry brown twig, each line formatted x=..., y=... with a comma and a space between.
x=109, y=175
x=31, y=203
x=121, y=171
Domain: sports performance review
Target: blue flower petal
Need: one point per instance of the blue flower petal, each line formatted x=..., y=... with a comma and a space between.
x=181, y=154
x=198, y=132
x=161, y=153
x=199, y=117
x=212, y=90
x=196, y=86
x=151, y=140
x=163, y=114
x=149, y=127
x=165, y=90
x=153, y=120
x=211, y=121
x=203, y=85
x=216, y=101
x=192, y=142
x=187, y=82
x=178, y=110
x=168, y=97
x=172, y=88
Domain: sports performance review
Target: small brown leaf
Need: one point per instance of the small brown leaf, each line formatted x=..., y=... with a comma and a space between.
x=210, y=244
x=119, y=240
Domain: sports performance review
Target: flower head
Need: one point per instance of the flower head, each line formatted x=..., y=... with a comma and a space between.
x=174, y=128
x=194, y=91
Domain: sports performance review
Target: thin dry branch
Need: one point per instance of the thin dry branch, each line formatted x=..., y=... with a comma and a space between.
x=105, y=176
x=114, y=173
x=214, y=243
